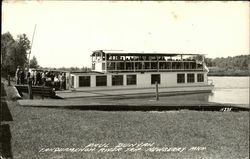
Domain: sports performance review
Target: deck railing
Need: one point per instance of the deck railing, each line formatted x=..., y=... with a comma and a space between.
x=153, y=66
x=160, y=70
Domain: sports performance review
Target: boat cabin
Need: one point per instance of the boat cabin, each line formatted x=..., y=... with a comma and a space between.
x=119, y=70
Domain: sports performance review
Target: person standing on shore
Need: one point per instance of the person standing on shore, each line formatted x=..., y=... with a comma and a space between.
x=43, y=78
x=35, y=77
x=56, y=82
x=63, y=81
x=38, y=78
x=60, y=80
x=22, y=76
x=28, y=77
x=18, y=75
x=32, y=77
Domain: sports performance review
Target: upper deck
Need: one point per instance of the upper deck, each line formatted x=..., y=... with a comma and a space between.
x=103, y=61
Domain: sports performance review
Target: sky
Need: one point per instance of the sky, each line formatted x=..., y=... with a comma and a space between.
x=68, y=31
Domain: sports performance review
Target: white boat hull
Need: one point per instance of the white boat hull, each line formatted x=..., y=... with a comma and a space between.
x=133, y=92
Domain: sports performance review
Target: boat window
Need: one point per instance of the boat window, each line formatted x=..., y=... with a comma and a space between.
x=101, y=80
x=200, y=77
x=129, y=65
x=186, y=65
x=120, y=65
x=155, y=78
x=190, y=78
x=111, y=66
x=117, y=80
x=131, y=79
x=181, y=78
x=103, y=66
x=84, y=81
x=147, y=65
x=153, y=65
x=174, y=65
x=138, y=65
x=193, y=65
x=72, y=81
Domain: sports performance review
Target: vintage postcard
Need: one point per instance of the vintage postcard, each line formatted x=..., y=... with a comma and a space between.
x=125, y=79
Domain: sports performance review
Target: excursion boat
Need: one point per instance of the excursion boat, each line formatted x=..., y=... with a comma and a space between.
x=115, y=73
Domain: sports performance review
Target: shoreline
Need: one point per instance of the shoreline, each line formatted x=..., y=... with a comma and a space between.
x=228, y=75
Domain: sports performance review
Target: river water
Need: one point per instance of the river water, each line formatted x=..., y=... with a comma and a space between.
x=233, y=90
x=227, y=90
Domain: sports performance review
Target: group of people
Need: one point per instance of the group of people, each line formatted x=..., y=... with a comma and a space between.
x=52, y=79
x=136, y=58
x=21, y=76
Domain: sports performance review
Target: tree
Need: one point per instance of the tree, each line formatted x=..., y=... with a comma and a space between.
x=34, y=63
x=14, y=53
x=7, y=44
x=208, y=62
x=74, y=69
x=85, y=69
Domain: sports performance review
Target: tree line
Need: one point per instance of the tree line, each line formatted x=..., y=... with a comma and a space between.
x=237, y=65
x=83, y=69
x=240, y=62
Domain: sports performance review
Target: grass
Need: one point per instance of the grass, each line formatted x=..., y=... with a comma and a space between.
x=224, y=134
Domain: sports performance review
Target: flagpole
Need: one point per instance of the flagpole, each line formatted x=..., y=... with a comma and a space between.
x=31, y=47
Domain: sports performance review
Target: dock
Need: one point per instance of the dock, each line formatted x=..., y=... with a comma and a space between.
x=126, y=105
x=131, y=93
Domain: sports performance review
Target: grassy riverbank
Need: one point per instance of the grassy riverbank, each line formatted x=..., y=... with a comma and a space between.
x=222, y=134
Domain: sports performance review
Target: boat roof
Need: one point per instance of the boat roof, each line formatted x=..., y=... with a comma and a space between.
x=120, y=53
x=86, y=72
x=48, y=70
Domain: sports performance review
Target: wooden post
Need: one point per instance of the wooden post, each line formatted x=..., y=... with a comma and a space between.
x=106, y=64
x=156, y=91
x=42, y=88
x=30, y=88
x=158, y=63
x=134, y=62
x=8, y=80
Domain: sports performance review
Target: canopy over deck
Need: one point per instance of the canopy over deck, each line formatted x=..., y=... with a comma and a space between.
x=120, y=53
x=48, y=70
